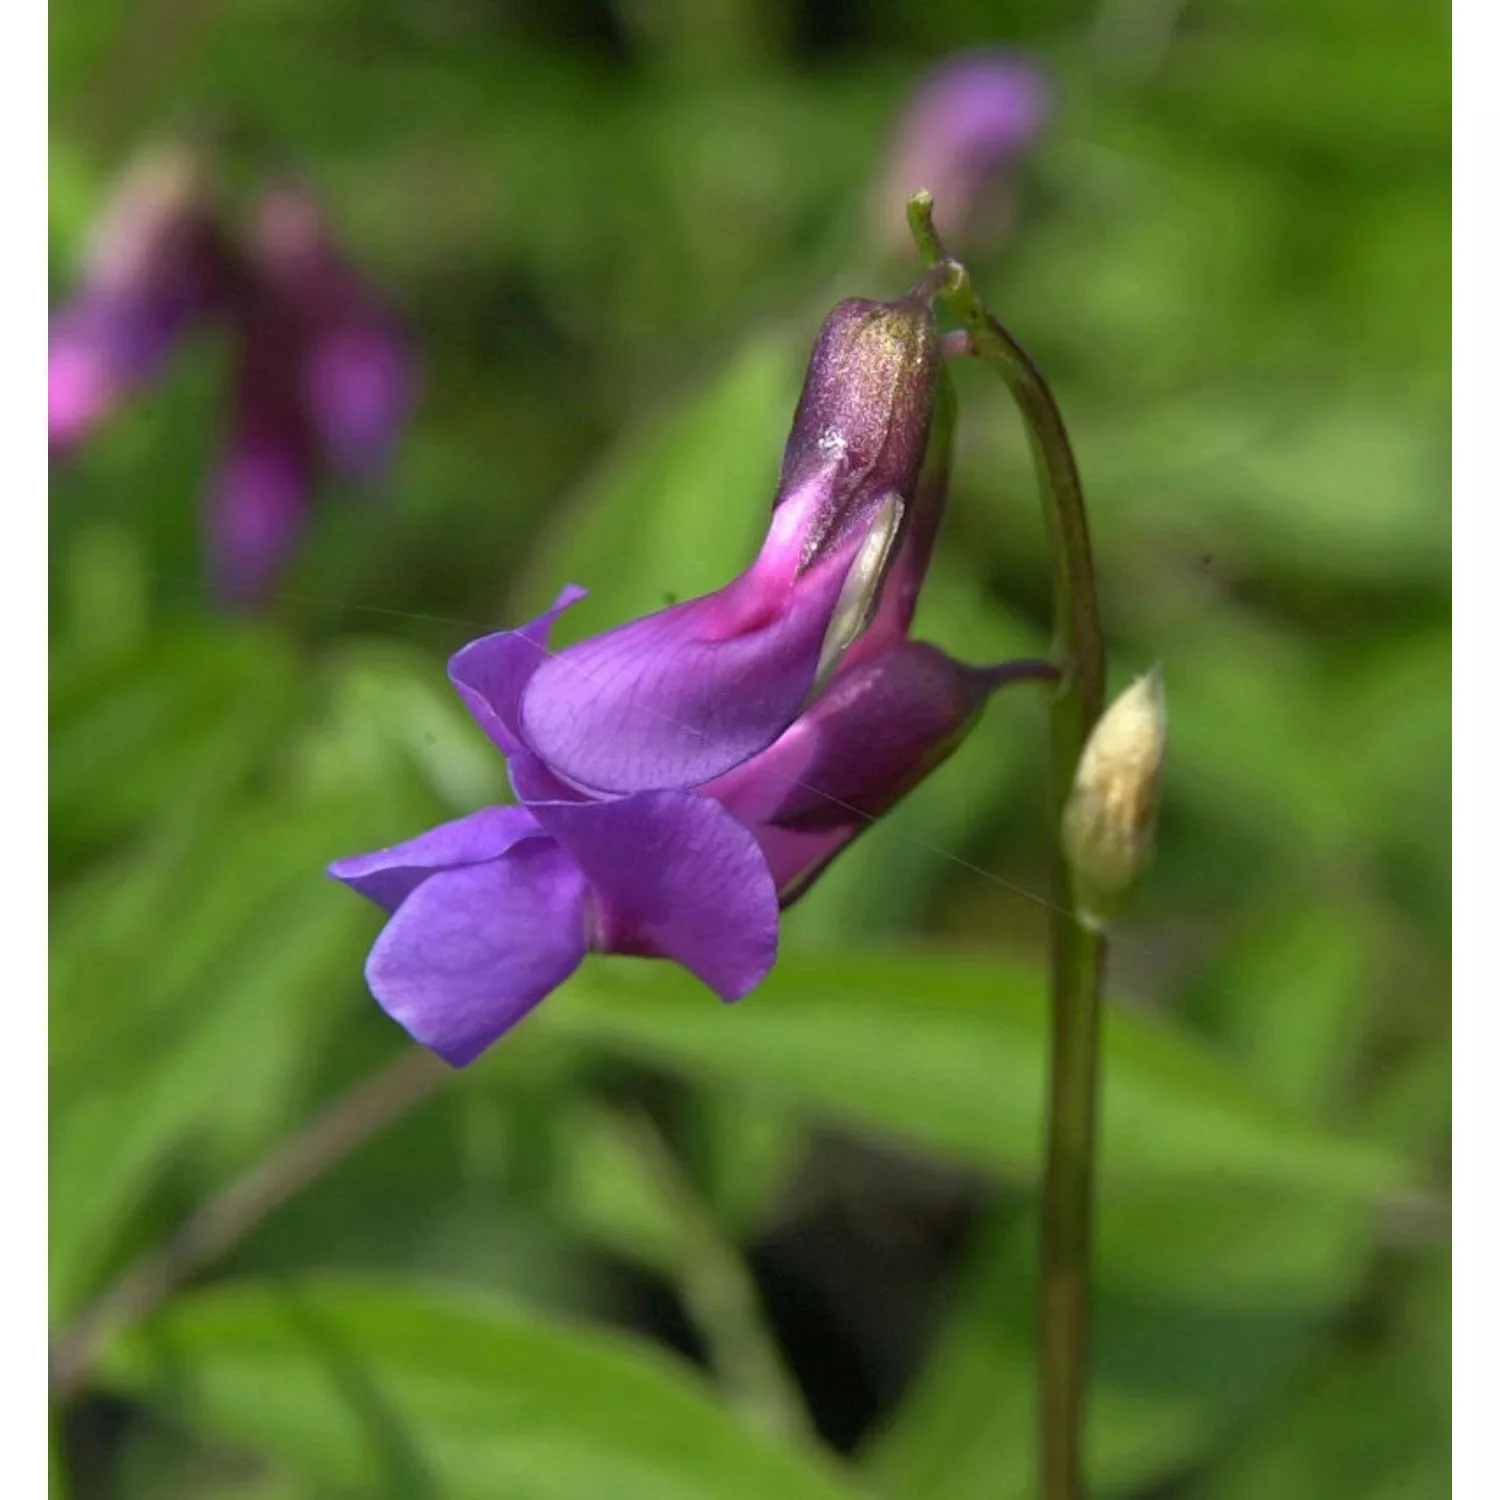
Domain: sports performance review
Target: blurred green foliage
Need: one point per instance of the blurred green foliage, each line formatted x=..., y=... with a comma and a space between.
x=614, y=229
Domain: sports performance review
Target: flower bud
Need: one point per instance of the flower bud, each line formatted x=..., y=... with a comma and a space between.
x=1109, y=822
x=963, y=128
x=862, y=420
x=684, y=695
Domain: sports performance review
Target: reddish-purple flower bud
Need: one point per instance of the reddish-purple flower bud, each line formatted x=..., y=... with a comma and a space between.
x=958, y=138
x=908, y=567
x=682, y=696
x=159, y=260
x=862, y=422
x=885, y=723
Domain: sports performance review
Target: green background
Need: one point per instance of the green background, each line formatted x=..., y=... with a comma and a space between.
x=613, y=230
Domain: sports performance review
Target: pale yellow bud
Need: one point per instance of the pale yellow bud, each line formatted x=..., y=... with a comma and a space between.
x=1109, y=822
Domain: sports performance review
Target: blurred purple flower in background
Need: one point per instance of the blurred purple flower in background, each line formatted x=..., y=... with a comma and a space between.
x=323, y=379
x=685, y=777
x=262, y=485
x=158, y=262
x=959, y=136
x=354, y=371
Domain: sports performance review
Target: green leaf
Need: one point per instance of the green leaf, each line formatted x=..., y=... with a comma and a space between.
x=174, y=732
x=949, y=1053
x=396, y=1390
x=751, y=1148
x=1250, y=740
x=106, y=590
x=260, y=1487
x=196, y=973
x=1367, y=1423
x=1290, y=997
x=1203, y=1302
x=388, y=715
x=1342, y=482
x=202, y=1049
x=1397, y=711
x=605, y=1189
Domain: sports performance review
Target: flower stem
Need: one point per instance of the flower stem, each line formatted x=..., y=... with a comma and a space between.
x=721, y=1295
x=223, y=1220
x=1077, y=954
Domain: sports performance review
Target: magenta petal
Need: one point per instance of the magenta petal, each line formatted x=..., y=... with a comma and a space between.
x=359, y=386
x=490, y=674
x=797, y=856
x=83, y=385
x=388, y=876
x=681, y=696
x=674, y=876
x=881, y=726
x=472, y=950
x=98, y=352
x=257, y=512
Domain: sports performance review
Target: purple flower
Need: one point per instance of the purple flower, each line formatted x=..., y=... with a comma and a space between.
x=964, y=126
x=323, y=379
x=684, y=778
x=493, y=911
x=159, y=262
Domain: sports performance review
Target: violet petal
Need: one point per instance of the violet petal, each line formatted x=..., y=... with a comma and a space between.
x=359, y=391
x=491, y=673
x=257, y=511
x=673, y=875
x=877, y=731
x=471, y=950
x=388, y=876
x=679, y=697
x=99, y=351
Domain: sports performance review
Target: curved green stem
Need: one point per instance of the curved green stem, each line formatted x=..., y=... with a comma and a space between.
x=1077, y=954
x=721, y=1296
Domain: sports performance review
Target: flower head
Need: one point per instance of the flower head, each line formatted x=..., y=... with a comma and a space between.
x=262, y=486
x=958, y=136
x=354, y=374
x=491, y=912
x=323, y=379
x=685, y=777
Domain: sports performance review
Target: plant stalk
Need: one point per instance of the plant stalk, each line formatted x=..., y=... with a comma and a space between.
x=224, y=1219
x=1076, y=953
